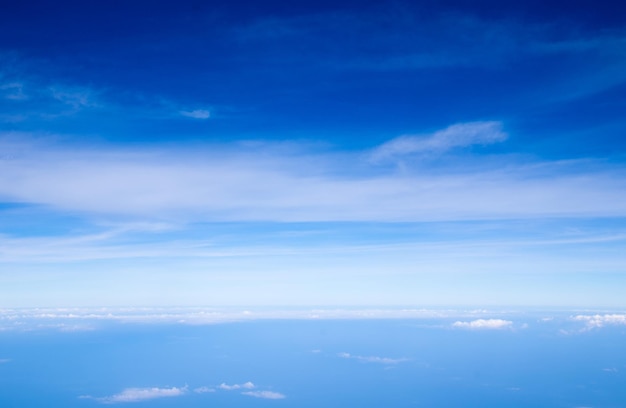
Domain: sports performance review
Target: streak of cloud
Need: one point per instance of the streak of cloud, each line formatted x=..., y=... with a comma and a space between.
x=140, y=394
x=458, y=135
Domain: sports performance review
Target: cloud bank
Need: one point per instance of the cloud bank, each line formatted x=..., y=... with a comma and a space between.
x=598, y=320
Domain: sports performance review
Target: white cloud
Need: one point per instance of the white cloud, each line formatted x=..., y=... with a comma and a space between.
x=141, y=394
x=265, y=394
x=275, y=183
x=224, y=386
x=597, y=321
x=484, y=324
x=373, y=359
x=459, y=135
x=197, y=114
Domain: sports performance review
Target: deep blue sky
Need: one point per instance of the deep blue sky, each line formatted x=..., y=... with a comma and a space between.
x=352, y=73
x=312, y=153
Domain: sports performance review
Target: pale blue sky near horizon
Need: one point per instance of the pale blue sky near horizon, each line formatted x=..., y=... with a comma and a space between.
x=320, y=153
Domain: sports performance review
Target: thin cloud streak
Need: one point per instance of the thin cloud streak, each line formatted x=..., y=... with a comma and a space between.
x=373, y=359
x=122, y=244
x=140, y=394
x=197, y=114
x=459, y=135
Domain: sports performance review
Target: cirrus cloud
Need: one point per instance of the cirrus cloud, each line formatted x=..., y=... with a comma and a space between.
x=457, y=135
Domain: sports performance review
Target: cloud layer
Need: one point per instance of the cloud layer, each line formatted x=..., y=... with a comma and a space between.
x=272, y=182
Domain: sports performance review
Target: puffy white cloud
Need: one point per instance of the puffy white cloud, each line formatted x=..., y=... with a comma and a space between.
x=484, y=324
x=373, y=359
x=141, y=394
x=265, y=394
x=224, y=386
x=597, y=320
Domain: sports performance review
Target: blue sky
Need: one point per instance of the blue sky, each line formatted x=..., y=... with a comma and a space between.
x=318, y=153
x=90, y=357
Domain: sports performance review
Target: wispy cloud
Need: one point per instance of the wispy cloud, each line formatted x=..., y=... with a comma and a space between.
x=203, y=390
x=265, y=394
x=140, y=394
x=458, y=135
x=373, y=359
x=75, y=98
x=479, y=324
x=29, y=99
x=416, y=42
x=196, y=114
x=13, y=91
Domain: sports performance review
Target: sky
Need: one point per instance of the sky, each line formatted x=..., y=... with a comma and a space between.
x=317, y=153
